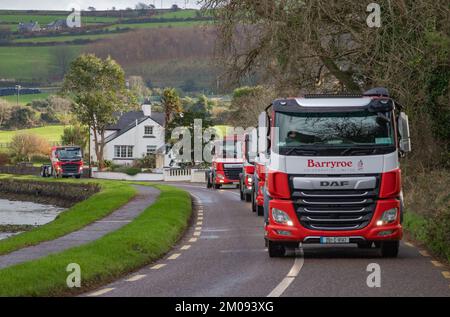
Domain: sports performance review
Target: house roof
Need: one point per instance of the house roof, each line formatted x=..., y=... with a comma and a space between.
x=128, y=120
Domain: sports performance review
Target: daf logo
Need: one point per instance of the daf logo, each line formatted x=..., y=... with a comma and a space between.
x=334, y=184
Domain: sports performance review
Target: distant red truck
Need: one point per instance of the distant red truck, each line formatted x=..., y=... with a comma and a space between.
x=66, y=161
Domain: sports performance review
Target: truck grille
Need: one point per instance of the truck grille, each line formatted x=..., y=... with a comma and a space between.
x=232, y=173
x=70, y=168
x=349, y=209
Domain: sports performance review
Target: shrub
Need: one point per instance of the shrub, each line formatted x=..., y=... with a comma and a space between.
x=131, y=171
x=4, y=159
x=24, y=146
x=148, y=161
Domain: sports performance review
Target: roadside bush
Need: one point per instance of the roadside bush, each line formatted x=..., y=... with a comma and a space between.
x=22, y=117
x=24, y=146
x=131, y=171
x=4, y=159
x=148, y=161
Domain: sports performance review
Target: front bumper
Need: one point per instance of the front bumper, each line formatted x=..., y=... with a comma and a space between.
x=298, y=233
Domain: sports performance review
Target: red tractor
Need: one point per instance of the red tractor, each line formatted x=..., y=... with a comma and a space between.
x=66, y=161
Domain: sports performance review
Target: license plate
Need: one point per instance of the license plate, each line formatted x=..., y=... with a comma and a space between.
x=334, y=240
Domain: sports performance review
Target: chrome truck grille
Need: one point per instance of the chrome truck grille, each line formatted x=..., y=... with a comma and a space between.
x=335, y=202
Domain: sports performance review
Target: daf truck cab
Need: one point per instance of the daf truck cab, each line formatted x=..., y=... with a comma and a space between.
x=227, y=163
x=333, y=176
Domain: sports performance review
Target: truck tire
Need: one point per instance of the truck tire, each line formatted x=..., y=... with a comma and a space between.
x=78, y=176
x=389, y=249
x=248, y=198
x=241, y=191
x=217, y=186
x=260, y=210
x=276, y=250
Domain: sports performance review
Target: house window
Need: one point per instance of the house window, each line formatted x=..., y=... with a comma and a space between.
x=148, y=130
x=151, y=149
x=123, y=151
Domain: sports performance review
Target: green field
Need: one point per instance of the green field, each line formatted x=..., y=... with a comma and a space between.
x=29, y=63
x=51, y=133
x=25, y=99
x=46, y=19
x=66, y=38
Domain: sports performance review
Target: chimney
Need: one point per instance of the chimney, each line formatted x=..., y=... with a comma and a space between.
x=147, y=110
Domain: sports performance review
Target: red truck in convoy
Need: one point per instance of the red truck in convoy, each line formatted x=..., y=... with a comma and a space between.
x=226, y=164
x=333, y=175
x=66, y=161
x=248, y=169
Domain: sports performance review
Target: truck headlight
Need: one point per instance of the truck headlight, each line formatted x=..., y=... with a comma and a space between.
x=281, y=217
x=220, y=176
x=249, y=179
x=388, y=216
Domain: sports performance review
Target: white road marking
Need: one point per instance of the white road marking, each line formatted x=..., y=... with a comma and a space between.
x=198, y=228
x=290, y=277
x=174, y=256
x=193, y=240
x=197, y=233
x=101, y=292
x=157, y=266
x=185, y=247
x=136, y=278
x=446, y=274
x=200, y=223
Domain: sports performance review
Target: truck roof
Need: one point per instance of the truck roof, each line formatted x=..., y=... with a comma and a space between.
x=374, y=100
x=58, y=147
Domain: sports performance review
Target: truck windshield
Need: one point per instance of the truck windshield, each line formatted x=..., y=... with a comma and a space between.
x=361, y=129
x=69, y=154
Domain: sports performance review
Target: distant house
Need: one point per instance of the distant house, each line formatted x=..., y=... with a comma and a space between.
x=29, y=27
x=57, y=25
x=135, y=134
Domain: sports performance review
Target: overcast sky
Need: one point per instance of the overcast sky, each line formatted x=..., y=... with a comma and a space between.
x=98, y=4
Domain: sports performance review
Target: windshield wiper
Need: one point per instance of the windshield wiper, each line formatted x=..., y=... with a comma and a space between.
x=300, y=151
x=363, y=150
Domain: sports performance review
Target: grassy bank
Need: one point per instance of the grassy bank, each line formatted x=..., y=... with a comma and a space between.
x=51, y=133
x=112, y=196
x=427, y=217
x=147, y=238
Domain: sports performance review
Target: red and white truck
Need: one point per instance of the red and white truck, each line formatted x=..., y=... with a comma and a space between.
x=248, y=169
x=333, y=173
x=226, y=164
x=66, y=161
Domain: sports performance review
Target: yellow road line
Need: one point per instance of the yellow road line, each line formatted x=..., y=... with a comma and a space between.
x=437, y=264
x=174, y=256
x=446, y=274
x=158, y=266
x=136, y=278
x=185, y=247
x=101, y=292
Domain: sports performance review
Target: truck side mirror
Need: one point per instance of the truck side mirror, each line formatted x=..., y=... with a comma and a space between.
x=403, y=129
x=263, y=126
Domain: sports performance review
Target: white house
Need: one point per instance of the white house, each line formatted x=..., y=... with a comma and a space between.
x=135, y=135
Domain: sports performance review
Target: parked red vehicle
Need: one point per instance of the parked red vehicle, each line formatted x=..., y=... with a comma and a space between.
x=334, y=175
x=248, y=170
x=227, y=163
x=66, y=161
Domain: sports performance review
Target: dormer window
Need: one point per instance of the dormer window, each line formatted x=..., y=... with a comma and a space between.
x=148, y=130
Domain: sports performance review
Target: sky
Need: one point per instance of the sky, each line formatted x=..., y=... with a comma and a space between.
x=98, y=4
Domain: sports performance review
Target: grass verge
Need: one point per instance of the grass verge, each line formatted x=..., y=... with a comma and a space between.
x=112, y=196
x=145, y=239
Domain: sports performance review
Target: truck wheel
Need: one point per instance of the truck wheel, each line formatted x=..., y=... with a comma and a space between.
x=260, y=210
x=248, y=198
x=217, y=186
x=276, y=250
x=253, y=201
x=78, y=176
x=389, y=249
x=365, y=245
x=241, y=192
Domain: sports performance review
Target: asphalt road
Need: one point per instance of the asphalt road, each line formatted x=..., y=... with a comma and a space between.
x=223, y=254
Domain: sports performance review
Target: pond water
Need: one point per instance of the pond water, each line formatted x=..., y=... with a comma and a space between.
x=26, y=213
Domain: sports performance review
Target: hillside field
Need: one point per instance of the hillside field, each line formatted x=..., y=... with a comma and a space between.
x=25, y=99
x=51, y=133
